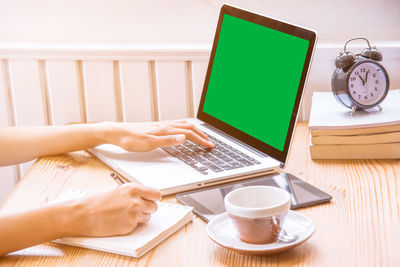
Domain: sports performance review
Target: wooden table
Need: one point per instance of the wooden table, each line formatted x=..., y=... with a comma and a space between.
x=360, y=227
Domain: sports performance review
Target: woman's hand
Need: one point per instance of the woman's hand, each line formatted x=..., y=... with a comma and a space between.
x=24, y=143
x=147, y=136
x=112, y=212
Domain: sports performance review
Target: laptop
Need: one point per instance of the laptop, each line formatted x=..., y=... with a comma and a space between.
x=248, y=108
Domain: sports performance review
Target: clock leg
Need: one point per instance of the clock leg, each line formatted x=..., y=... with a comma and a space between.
x=380, y=107
x=353, y=110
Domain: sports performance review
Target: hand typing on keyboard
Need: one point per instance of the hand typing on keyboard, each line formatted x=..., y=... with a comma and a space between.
x=222, y=158
x=146, y=136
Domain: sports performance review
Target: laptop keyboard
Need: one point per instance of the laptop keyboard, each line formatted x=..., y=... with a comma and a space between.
x=222, y=157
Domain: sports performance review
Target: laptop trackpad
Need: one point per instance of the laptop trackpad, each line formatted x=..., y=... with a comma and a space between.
x=134, y=159
x=155, y=168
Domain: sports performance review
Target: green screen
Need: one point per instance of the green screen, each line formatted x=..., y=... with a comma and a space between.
x=255, y=78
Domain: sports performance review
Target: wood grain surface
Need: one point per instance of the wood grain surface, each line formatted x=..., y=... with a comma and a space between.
x=360, y=227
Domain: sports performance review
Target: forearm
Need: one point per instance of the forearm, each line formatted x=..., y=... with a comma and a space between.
x=20, y=144
x=25, y=229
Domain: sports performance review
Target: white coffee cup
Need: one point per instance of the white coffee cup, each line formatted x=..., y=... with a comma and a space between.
x=258, y=212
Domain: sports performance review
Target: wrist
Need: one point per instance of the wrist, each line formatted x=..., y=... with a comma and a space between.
x=65, y=217
x=100, y=133
x=107, y=132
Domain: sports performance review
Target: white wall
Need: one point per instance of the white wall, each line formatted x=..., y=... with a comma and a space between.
x=186, y=21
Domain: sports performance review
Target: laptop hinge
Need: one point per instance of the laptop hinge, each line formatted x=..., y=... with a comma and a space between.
x=238, y=142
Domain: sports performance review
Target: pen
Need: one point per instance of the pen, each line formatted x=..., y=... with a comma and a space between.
x=118, y=179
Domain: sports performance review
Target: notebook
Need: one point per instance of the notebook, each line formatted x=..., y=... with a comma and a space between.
x=168, y=219
x=248, y=107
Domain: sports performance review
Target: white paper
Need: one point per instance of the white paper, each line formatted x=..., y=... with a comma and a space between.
x=327, y=113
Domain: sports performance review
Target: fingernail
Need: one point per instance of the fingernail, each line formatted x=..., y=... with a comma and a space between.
x=180, y=138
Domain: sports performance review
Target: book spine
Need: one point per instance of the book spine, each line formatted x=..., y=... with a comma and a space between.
x=382, y=151
x=357, y=131
x=384, y=138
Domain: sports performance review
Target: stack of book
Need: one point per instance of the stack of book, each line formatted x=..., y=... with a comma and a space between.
x=368, y=134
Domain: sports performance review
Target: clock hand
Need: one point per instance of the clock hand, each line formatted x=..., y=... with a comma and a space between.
x=361, y=79
x=366, y=76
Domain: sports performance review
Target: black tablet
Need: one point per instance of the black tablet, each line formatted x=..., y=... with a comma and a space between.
x=210, y=201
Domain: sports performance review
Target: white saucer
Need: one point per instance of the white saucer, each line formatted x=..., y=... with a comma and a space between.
x=221, y=230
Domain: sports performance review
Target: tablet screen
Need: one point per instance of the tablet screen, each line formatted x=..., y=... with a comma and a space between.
x=210, y=201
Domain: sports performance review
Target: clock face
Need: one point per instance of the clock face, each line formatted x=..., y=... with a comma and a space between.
x=367, y=83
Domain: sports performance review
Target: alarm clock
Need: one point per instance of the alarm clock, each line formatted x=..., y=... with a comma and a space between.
x=360, y=81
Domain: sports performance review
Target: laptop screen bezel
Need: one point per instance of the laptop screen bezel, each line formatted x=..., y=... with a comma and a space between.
x=281, y=26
